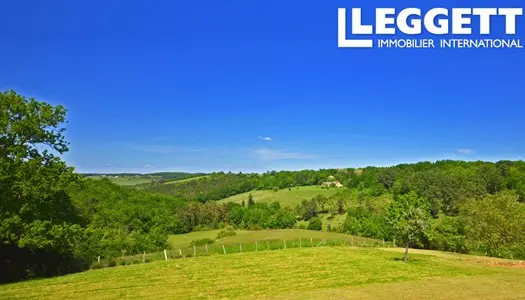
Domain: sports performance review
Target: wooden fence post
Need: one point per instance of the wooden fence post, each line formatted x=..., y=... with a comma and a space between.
x=256, y=246
x=267, y=246
x=394, y=242
x=240, y=246
x=206, y=249
x=223, y=249
x=311, y=242
x=99, y=258
x=194, y=251
x=300, y=243
x=180, y=252
x=284, y=244
x=352, y=241
x=165, y=254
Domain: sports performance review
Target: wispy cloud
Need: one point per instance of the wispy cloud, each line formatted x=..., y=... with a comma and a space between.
x=148, y=166
x=164, y=149
x=265, y=138
x=272, y=154
x=466, y=151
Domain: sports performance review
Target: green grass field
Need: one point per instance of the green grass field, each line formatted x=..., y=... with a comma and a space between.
x=125, y=180
x=305, y=273
x=187, y=179
x=250, y=237
x=285, y=197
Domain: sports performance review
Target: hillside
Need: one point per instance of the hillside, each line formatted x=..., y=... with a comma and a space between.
x=130, y=179
x=286, y=197
x=307, y=273
x=250, y=237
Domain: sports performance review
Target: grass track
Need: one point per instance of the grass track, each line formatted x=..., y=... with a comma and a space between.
x=285, y=197
x=318, y=273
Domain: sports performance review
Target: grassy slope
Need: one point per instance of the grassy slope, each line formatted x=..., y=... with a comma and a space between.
x=307, y=273
x=186, y=179
x=183, y=240
x=126, y=180
x=285, y=197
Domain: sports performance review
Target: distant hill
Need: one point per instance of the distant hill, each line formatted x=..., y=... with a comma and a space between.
x=133, y=179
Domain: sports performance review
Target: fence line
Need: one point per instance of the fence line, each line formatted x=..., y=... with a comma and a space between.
x=223, y=249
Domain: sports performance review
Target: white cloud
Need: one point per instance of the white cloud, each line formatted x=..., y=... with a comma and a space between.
x=466, y=151
x=265, y=138
x=270, y=154
x=147, y=166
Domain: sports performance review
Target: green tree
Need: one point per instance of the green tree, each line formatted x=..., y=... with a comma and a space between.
x=409, y=216
x=251, y=202
x=495, y=225
x=36, y=215
x=315, y=223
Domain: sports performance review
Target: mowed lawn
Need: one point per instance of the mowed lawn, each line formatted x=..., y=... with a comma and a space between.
x=250, y=237
x=306, y=273
x=285, y=197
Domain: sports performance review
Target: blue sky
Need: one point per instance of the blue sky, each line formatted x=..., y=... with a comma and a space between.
x=256, y=85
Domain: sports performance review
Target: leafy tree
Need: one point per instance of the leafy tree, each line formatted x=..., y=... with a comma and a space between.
x=36, y=216
x=495, y=225
x=315, y=223
x=409, y=216
x=251, y=202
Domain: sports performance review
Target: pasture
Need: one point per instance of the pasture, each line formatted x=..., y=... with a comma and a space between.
x=250, y=237
x=286, y=197
x=126, y=180
x=299, y=273
x=186, y=179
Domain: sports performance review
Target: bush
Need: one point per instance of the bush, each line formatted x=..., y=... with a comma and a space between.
x=112, y=263
x=202, y=242
x=225, y=233
x=97, y=265
x=315, y=223
x=302, y=226
x=122, y=262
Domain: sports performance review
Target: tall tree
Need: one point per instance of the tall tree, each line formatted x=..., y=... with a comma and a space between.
x=410, y=217
x=36, y=215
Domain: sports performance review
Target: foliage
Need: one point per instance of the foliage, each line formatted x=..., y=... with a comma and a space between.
x=315, y=223
x=202, y=242
x=409, y=216
x=494, y=226
x=38, y=221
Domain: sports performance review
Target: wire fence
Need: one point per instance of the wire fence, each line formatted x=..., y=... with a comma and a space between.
x=218, y=248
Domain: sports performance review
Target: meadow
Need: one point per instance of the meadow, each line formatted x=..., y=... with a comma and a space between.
x=250, y=237
x=314, y=273
x=286, y=197
x=186, y=179
x=126, y=180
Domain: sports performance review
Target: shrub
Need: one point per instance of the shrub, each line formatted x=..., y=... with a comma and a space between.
x=97, y=265
x=122, y=262
x=112, y=263
x=315, y=223
x=201, y=242
x=302, y=226
x=225, y=233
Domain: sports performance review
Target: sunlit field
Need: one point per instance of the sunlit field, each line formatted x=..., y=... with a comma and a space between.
x=318, y=273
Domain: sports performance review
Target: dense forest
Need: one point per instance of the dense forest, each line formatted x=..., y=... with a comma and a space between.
x=54, y=221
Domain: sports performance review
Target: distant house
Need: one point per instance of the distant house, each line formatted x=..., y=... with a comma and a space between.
x=332, y=184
